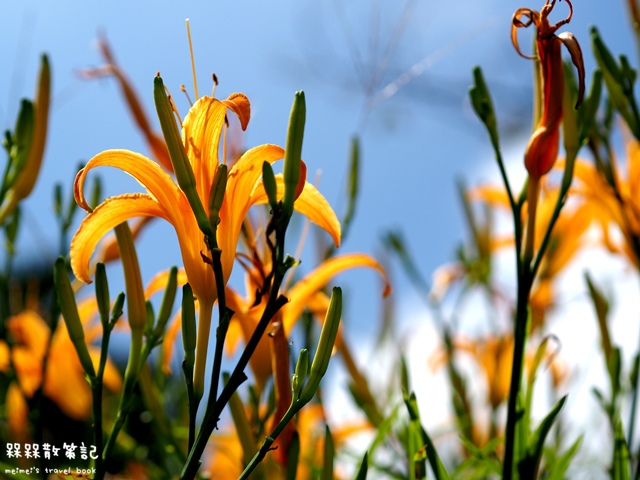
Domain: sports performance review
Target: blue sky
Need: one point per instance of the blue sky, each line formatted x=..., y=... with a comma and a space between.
x=415, y=144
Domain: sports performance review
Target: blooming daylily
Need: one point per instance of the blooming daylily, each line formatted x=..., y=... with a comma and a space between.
x=542, y=149
x=301, y=295
x=622, y=209
x=201, y=133
x=65, y=382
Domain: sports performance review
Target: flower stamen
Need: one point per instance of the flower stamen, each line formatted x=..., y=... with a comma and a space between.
x=193, y=62
x=214, y=77
x=186, y=94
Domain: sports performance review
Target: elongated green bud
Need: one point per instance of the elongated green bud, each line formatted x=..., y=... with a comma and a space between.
x=167, y=301
x=136, y=303
x=27, y=180
x=216, y=197
x=25, y=177
x=270, y=186
x=293, y=152
x=179, y=160
x=117, y=310
x=325, y=345
x=188, y=326
x=298, y=378
x=22, y=139
x=483, y=105
x=69, y=309
x=102, y=294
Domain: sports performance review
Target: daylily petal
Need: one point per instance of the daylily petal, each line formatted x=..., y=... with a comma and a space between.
x=201, y=131
x=571, y=42
x=108, y=251
x=239, y=103
x=532, y=17
x=240, y=184
x=311, y=203
x=112, y=212
x=244, y=321
x=159, y=282
x=300, y=293
x=66, y=385
x=148, y=173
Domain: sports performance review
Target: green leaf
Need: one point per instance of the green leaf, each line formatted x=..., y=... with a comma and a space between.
x=427, y=444
x=352, y=186
x=559, y=467
x=294, y=454
x=621, y=463
x=364, y=466
x=529, y=466
x=329, y=453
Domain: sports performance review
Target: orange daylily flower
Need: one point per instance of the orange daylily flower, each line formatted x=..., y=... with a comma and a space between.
x=494, y=354
x=567, y=239
x=201, y=133
x=542, y=149
x=65, y=382
x=247, y=315
x=607, y=207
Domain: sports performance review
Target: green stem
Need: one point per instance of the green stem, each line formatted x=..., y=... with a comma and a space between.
x=96, y=391
x=135, y=361
x=215, y=407
x=520, y=338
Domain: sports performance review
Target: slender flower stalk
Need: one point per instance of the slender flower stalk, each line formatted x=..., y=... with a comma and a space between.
x=540, y=156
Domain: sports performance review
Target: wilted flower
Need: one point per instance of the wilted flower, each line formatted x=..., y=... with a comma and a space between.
x=542, y=149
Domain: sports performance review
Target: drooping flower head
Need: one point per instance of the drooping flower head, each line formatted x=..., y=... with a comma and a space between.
x=542, y=149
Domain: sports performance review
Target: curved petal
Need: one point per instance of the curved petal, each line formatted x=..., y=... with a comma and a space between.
x=109, y=252
x=240, y=183
x=201, y=131
x=304, y=289
x=532, y=17
x=239, y=103
x=148, y=173
x=310, y=203
x=571, y=42
x=110, y=213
